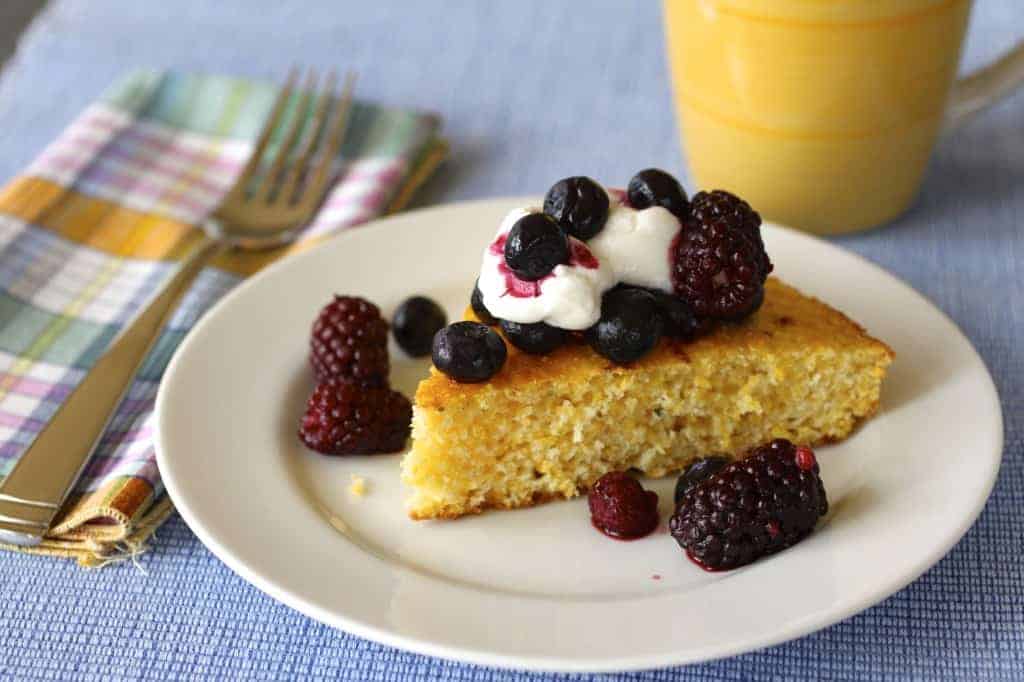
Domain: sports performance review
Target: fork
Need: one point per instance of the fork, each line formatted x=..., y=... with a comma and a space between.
x=264, y=208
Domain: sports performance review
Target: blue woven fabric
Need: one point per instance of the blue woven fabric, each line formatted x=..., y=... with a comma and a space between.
x=530, y=91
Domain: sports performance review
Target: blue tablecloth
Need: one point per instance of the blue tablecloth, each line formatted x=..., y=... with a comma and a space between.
x=531, y=91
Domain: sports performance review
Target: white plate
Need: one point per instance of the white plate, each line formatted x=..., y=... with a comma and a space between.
x=539, y=588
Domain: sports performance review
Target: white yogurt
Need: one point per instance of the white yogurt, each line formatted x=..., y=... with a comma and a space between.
x=632, y=248
x=570, y=297
x=636, y=245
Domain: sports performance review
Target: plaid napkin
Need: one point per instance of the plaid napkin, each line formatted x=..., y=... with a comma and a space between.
x=95, y=225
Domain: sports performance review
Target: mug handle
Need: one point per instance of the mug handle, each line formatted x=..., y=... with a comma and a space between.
x=978, y=91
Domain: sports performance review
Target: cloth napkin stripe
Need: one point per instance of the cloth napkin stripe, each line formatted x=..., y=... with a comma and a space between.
x=126, y=449
x=93, y=228
x=153, y=168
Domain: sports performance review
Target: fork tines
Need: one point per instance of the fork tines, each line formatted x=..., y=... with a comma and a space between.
x=290, y=164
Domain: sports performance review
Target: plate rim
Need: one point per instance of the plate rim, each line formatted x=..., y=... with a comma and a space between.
x=553, y=664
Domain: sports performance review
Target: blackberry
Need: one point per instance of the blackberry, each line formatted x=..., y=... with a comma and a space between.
x=719, y=204
x=696, y=473
x=468, y=352
x=719, y=263
x=535, y=245
x=621, y=508
x=476, y=301
x=579, y=205
x=414, y=324
x=655, y=187
x=630, y=325
x=750, y=309
x=537, y=339
x=344, y=418
x=350, y=340
x=751, y=508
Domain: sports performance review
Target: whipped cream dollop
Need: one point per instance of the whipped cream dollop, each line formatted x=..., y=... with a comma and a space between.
x=636, y=244
x=633, y=248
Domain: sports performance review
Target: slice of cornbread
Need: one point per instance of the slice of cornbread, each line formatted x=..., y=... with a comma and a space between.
x=549, y=426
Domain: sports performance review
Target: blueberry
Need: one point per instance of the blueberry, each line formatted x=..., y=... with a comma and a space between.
x=476, y=301
x=630, y=325
x=680, y=320
x=414, y=324
x=468, y=352
x=538, y=338
x=697, y=473
x=535, y=245
x=654, y=187
x=579, y=204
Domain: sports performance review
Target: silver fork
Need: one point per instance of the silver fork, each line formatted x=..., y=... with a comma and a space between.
x=262, y=209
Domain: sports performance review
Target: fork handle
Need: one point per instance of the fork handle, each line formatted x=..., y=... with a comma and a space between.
x=33, y=493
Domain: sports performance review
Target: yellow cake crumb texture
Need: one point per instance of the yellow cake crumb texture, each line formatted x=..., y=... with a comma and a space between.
x=547, y=427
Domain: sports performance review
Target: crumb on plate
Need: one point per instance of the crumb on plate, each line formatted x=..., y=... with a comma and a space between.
x=358, y=486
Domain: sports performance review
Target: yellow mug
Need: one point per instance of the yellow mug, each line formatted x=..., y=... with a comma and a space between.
x=823, y=113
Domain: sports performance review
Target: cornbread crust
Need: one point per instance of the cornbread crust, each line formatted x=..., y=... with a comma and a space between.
x=547, y=427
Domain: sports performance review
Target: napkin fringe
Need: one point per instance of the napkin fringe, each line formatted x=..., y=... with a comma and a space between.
x=92, y=552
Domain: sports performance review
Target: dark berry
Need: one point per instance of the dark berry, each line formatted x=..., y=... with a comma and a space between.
x=630, y=325
x=414, y=324
x=476, y=301
x=344, y=418
x=468, y=352
x=620, y=507
x=719, y=204
x=537, y=338
x=579, y=205
x=719, y=264
x=350, y=340
x=750, y=508
x=680, y=320
x=535, y=245
x=654, y=187
x=750, y=309
x=697, y=472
